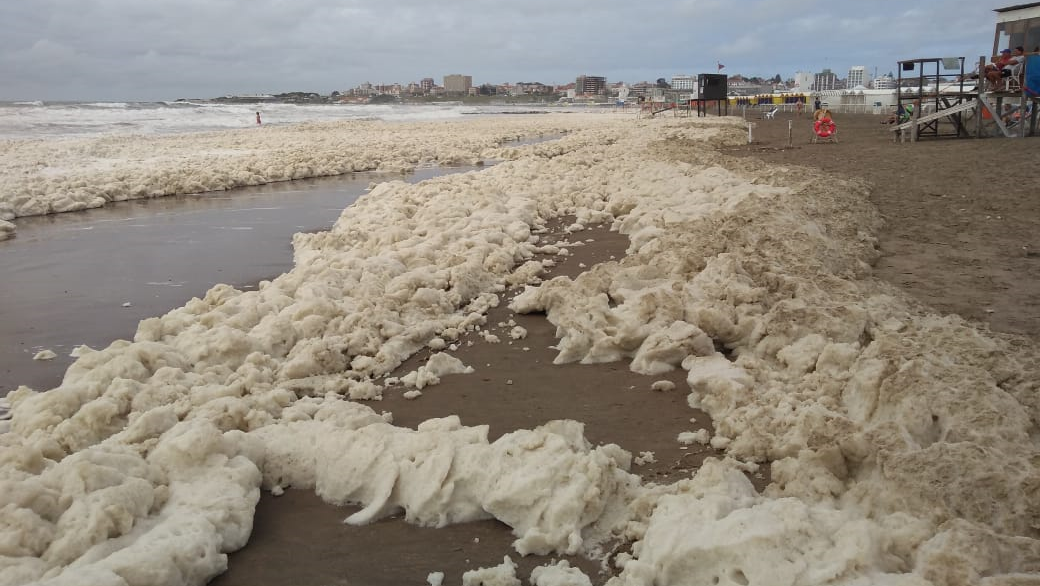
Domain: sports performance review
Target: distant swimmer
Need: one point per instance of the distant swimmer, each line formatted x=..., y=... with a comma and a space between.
x=258, y=118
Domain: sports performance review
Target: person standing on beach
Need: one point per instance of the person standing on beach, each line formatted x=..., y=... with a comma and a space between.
x=816, y=104
x=258, y=118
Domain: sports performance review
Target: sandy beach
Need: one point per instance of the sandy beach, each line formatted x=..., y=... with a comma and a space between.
x=807, y=364
x=960, y=229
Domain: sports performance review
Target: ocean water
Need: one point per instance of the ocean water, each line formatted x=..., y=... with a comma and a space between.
x=21, y=120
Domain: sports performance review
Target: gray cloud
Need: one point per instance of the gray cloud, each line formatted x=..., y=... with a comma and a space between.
x=164, y=49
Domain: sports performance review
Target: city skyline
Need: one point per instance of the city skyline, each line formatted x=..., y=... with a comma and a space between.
x=127, y=50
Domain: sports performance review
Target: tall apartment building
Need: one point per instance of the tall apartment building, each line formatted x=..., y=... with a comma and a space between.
x=684, y=82
x=825, y=80
x=590, y=85
x=458, y=84
x=857, y=76
x=426, y=84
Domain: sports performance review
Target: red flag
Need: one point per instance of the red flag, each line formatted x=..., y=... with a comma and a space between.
x=721, y=66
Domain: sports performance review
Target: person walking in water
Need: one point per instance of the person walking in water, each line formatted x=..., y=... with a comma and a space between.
x=258, y=118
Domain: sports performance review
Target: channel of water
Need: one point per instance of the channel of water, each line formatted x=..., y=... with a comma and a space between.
x=89, y=277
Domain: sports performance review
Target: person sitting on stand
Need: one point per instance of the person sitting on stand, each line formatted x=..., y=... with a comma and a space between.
x=1004, y=66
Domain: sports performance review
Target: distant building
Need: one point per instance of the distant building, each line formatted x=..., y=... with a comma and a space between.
x=641, y=89
x=426, y=84
x=590, y=85
x=532, y=87
x=885, y=82
x=825, y=80
x=684, y=82
x=857, y=77
x=737, y=85
x=458, y=84
x=803, y=81
x=364, y=90
x=391, y=89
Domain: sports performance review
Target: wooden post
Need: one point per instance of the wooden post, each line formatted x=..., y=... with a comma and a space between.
x=790, y=133
x=978, y=99
x=913, y=119
x=1020, y=130
x=1033, y=118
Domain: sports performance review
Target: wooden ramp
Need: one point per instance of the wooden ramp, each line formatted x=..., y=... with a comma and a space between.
x=963, y=106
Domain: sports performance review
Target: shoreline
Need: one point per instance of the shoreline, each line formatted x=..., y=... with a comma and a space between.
x=74, y=174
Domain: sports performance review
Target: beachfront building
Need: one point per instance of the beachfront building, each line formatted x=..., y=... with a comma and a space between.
x=590, y=85
x=426, y=84
x=458, y=84
x=859, y=100
x=857, y=77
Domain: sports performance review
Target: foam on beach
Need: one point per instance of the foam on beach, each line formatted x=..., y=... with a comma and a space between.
x=71, y=174
x=902, y=443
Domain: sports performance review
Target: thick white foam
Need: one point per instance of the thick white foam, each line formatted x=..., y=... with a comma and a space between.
x=901, y=441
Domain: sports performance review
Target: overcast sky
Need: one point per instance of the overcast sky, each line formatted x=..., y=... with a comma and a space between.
x=167, y=49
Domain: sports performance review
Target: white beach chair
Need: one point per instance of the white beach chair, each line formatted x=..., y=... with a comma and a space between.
x=771, y=114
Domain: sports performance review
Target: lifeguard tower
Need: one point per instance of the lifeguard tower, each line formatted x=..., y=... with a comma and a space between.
x=944, y=108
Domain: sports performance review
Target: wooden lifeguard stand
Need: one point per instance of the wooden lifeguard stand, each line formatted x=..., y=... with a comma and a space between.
x=1017, y=26
x=932, y=93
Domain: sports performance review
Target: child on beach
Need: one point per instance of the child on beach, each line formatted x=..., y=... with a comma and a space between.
x=258, y=118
